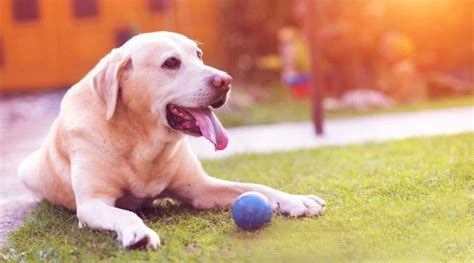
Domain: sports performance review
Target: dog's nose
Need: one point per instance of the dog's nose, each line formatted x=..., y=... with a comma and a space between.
x=221, y=81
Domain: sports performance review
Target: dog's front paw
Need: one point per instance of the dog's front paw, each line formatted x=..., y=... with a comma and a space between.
x=139, y=237
x=300, y=205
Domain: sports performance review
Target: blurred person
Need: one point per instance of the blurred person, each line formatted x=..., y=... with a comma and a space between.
x=295, y=66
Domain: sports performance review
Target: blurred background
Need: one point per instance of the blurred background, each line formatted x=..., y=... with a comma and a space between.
x=374, y=55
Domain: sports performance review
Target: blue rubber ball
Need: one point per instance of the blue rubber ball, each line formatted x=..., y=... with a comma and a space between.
x=251, y=211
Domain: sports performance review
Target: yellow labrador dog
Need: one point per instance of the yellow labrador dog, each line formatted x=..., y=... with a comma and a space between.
x=119, y=140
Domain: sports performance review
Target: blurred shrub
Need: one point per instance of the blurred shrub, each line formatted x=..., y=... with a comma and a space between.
x=250, y=28
x=357, y=40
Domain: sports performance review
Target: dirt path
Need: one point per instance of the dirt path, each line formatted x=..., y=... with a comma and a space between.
x=373, y=128
x=24, y=122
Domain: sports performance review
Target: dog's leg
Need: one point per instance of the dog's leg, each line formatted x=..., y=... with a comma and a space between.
x=204, y=192
x=97, y=187
x=101, y=214
x=28, y=173
x=212, y=192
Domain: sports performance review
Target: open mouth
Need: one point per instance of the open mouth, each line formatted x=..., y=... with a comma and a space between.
x=198, y=122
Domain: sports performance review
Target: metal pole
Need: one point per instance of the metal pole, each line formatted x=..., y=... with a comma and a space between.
x=313, y=21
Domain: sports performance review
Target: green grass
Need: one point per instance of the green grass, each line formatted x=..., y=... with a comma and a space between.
x=282, y=108
x=409, y=200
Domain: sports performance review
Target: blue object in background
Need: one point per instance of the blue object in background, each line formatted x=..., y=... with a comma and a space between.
x=297, y=79
x=251, y=211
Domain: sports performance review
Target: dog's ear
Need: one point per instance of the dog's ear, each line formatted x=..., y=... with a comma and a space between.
x=106, y=79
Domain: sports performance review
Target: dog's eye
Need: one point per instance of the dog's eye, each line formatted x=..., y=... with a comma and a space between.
x=171, y=63
x=199, y=54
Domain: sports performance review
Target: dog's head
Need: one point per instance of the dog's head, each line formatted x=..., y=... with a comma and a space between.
x=163, y=74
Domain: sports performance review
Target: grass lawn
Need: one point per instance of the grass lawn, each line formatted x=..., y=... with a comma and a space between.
x=409, y=200
x=282, y=108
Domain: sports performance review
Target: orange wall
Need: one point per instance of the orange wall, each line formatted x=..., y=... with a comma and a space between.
x=59, y=48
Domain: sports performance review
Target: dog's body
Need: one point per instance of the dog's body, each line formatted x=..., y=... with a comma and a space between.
x=119, y=140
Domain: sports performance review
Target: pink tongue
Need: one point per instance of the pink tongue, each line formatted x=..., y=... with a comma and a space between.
x=211, y=128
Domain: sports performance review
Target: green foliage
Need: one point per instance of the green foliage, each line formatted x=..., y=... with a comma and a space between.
x=251, y=29
x=409, y=200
